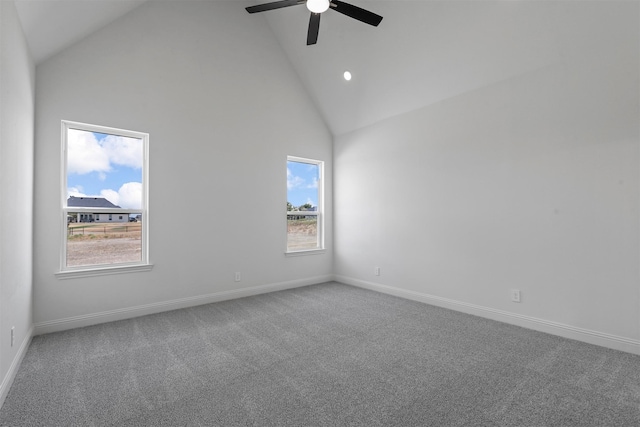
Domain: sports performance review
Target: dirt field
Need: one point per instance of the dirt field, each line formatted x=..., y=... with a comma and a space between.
x=95, y=244
x=99, y=244
x=302, y=234
x=103, y=251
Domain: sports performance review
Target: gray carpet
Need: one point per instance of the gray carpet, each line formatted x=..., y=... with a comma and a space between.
x=323, y=355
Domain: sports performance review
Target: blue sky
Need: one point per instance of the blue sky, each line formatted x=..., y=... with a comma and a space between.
x=302, y=183
x=108, y=166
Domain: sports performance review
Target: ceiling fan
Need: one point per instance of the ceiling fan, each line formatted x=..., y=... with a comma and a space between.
x=316, y=7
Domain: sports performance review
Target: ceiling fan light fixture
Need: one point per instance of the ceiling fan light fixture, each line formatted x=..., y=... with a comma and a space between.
x=317, y=6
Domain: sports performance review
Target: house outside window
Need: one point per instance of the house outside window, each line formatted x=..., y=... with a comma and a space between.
x=304, y=205
x=104, y=182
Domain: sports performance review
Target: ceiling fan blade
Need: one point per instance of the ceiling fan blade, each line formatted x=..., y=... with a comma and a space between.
x=274, y=5
x=356, y=12
x=314, y=28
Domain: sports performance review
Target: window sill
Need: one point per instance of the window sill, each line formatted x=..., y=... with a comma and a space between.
x=306, y=252
x=102, y=271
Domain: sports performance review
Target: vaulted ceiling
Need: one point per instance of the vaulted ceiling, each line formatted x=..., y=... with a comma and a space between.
x=423, y=52
x=52, y=25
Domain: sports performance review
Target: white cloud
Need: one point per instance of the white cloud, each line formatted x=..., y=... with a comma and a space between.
x=314, y=183
x=112, y=196
x=75, y=191
x=293, y=181
x=84, y=153
x=123, y=151
x=130, y=195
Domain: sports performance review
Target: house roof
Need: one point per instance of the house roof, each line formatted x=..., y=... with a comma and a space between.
x=90, y=202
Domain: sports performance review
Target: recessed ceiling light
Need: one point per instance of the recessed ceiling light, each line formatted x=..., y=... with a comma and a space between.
x=347, y=75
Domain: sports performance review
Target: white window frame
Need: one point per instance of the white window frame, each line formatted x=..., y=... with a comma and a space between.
x=101, y=269
x=319, y=213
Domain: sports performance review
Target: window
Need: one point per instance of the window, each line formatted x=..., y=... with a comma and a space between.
x=104, y=182
x=304, y=205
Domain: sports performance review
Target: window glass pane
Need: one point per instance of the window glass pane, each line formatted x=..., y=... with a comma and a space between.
x=302, y=232
x=105, y=166
x=94, y=243
x=104, y=171
x=303, y=208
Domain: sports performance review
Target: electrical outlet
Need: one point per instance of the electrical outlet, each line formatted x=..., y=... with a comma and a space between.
x=238, y=276
x=13, y=333
x=515, y=295
x=376, y=271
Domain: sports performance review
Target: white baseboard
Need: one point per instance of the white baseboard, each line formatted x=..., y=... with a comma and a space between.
x=15, y=364
x=567, y=331
x=142, y=310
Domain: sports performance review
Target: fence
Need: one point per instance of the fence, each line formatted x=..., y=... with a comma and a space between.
x=102, y=229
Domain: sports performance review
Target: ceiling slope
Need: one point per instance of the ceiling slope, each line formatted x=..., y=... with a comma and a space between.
x=53, y=25
x=423, y=51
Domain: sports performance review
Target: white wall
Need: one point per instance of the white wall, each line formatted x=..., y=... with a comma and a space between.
x=530, y=183
x=16, y=192
x=223, y=108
